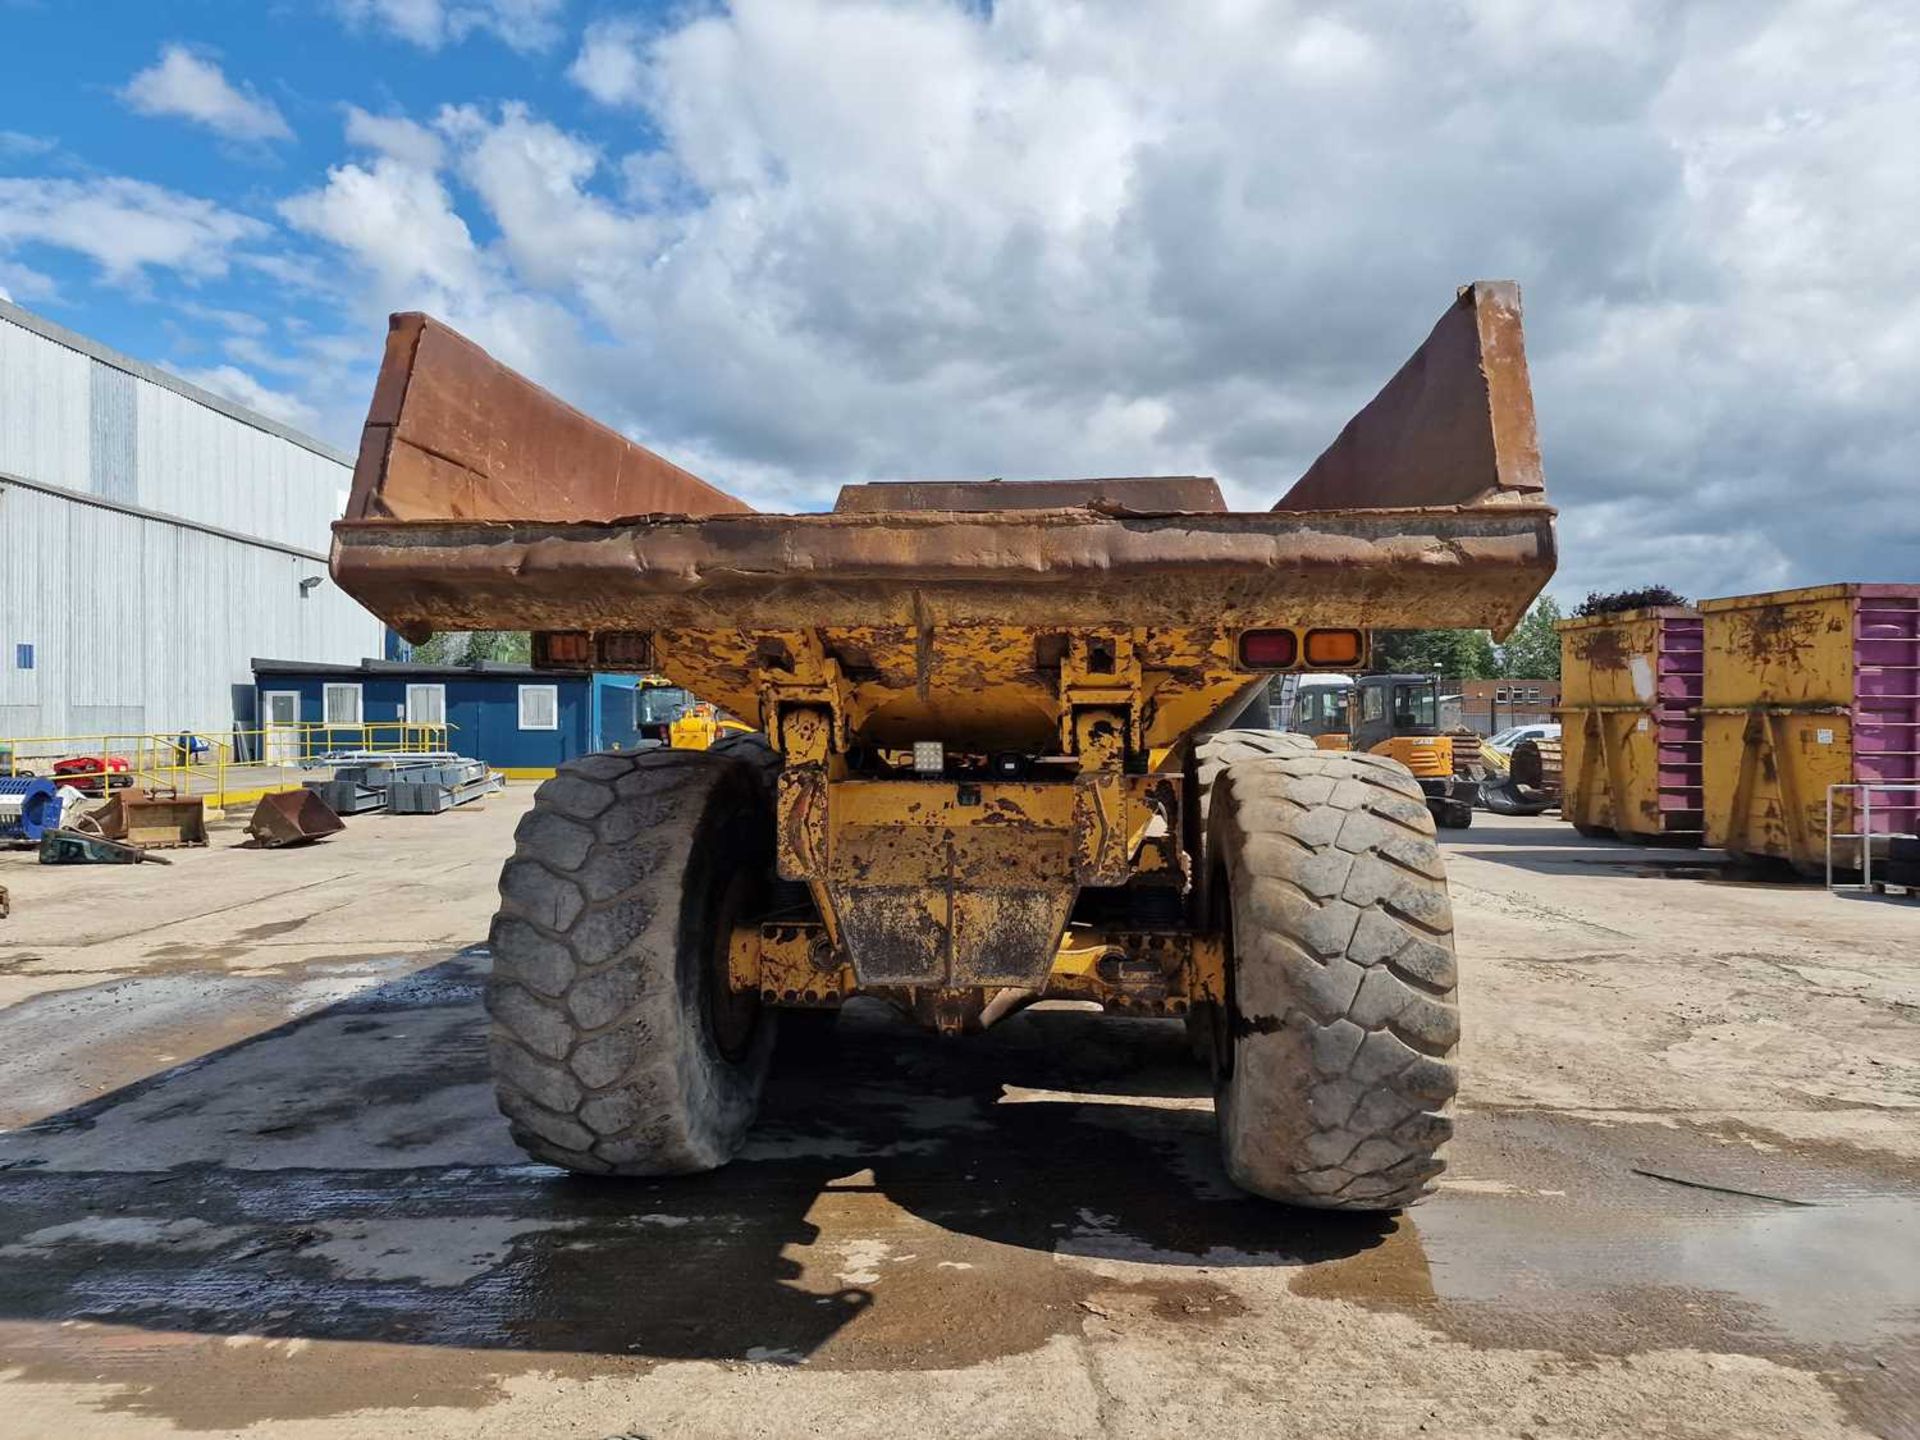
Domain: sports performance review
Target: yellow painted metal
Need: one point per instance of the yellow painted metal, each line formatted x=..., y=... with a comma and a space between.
x=1333, y=742
x=788, y=965
x=1155, y=972
x=1428, y=757
x=1777, y=718
x=1609, y=689
x=992, y=687
x=691, y=731
x=699, y=725
x=956, y=882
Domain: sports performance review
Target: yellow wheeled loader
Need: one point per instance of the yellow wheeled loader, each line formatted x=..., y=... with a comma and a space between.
x=995, y=761
x=700, y=726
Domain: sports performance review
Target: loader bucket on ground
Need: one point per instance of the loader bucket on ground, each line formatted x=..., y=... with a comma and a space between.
x=292, y=817
x=153, y=822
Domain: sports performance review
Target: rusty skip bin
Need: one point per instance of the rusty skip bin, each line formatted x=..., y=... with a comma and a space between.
x=1805, y=690
x=1630, y=724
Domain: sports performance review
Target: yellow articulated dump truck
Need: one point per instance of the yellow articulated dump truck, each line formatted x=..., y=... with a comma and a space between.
x=995, y=760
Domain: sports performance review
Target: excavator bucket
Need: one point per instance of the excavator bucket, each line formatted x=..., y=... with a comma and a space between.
x=292, y=817
x=153, y=822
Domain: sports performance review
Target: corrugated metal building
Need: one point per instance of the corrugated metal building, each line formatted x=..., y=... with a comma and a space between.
x=154, y=538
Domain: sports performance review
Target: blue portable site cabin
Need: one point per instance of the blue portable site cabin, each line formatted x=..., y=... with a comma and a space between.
x=519, y=720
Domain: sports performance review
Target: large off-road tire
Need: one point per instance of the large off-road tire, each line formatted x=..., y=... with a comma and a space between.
x=616, y=1046
x=1211, y=756
x=1336, y=1075
x=1213, y=753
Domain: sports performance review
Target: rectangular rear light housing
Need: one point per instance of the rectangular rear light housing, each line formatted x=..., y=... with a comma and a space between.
x=1269, y=649
x=622, y=650
x=1291, y=648
x=562, y=650
x=1336, y=649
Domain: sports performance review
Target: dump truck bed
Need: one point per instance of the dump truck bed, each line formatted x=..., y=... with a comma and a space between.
x=1451, y=567
x=1427, y=510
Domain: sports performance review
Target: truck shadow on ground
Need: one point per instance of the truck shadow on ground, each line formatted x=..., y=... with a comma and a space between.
x=344, y=1177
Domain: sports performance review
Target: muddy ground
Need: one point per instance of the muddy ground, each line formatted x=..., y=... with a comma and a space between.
x=253, y=1181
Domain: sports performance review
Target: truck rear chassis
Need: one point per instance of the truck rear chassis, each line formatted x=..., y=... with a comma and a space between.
x=993, y=764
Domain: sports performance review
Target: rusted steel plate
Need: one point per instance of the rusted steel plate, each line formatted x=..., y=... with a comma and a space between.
x=454, y=434
x=1452, y=567
x=481, y=501
x=1455, y=426
x=1145, y=495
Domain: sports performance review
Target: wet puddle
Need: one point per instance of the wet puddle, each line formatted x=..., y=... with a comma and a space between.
x=906, y=1203
x=1844, y=1274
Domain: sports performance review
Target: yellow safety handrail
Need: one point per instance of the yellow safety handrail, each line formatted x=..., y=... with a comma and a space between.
x=232, y=762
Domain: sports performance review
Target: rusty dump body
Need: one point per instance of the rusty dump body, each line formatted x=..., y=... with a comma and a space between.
x=1060, y=640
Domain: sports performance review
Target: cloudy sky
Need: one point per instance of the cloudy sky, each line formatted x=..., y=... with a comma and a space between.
x=795, y=242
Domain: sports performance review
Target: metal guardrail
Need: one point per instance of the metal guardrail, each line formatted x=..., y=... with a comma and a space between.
x=219, y=765
x=1860, y=800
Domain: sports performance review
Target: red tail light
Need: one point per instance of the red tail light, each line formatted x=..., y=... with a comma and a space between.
x=1268, y=649
x=562, y=649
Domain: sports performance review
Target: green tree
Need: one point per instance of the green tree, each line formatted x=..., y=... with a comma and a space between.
x=470, y=647
x=1457, y=654
x=1611, y=603
x=513, y=647
x=443, y=647
x=1532, y=651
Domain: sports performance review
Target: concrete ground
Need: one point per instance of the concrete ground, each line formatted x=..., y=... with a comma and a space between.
x=253, y=1181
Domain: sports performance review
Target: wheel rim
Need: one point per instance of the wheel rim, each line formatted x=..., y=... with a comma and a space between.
x=732, y=1015
x=1227, y=1008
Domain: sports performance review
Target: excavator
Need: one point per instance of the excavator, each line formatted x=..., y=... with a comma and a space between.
x=1393, y=715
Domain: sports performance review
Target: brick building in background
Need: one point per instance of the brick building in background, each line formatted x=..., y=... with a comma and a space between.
x=1490, y=706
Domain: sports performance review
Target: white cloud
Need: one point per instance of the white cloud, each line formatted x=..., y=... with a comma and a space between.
x=526, y=25
x=609, y=66
x=243, y=389
x=19, y=145
x=239, y=322
x=21, y=282
x=533, y=179
x=398, y=222
x=407, y=247
x=125, y=226
x=183, y=84
x=865, y=239
x=397, y=136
